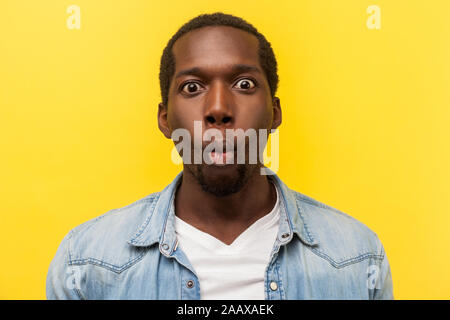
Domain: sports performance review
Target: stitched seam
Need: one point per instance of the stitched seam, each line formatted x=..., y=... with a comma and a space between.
x=69, y=263
x=106, y=265
x=147, y=199
x=273, y=260
x=318, y=204
x=286, y=216
x=311, y=238
x=161, y=237
x=280, y=285
x=266, y=283
x=347, y=262
x=147, y=220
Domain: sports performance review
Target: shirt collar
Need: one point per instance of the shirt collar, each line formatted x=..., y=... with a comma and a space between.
x=158, y=224
x=294, y=213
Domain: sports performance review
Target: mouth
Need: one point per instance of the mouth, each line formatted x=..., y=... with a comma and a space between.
x=223, y=154
x=220, y=158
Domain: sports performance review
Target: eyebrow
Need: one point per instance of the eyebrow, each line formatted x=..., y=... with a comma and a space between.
x=236, y=68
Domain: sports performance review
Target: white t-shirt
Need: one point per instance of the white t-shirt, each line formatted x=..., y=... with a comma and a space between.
x=234, y=271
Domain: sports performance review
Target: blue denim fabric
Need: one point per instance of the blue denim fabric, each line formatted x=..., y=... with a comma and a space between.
x=131, y=253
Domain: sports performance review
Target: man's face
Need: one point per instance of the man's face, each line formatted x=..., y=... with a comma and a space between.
x=219, y=81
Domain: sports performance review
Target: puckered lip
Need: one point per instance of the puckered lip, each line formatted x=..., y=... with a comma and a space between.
x=224, y=143
x=222, y=151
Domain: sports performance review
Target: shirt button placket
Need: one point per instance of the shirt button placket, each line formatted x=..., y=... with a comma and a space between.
x=190, y=289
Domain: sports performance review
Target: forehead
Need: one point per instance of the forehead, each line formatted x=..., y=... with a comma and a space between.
x=215, y=45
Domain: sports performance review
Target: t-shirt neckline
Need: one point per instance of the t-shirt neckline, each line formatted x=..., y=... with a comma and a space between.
x=212, y=243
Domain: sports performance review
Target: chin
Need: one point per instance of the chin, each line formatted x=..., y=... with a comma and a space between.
x=222, y=181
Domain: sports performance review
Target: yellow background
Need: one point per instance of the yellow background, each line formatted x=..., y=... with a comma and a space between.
x=366, y=115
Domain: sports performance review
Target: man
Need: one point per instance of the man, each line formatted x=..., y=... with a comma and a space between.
x=221, y=230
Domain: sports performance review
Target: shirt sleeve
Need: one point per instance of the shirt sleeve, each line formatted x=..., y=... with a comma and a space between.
x=383, y=287
x=63, y=279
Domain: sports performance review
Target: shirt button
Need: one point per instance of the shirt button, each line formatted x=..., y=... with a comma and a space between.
x=273, y=286
x=285, y=235
x=165, y=246
x=190, y=284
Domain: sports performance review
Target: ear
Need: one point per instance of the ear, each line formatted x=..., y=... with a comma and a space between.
x=276, y=107
x=163, y=125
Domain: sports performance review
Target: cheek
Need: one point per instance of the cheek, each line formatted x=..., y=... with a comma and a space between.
x=181, y=117
x=255, y=115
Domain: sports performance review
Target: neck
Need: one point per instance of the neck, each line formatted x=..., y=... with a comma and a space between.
x=224, y=216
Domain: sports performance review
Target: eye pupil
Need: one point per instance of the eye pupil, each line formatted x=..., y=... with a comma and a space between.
x=245, y=84
x=192, y=87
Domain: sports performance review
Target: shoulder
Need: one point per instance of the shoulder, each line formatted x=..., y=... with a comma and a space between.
x=102, y=241
x=342, y=239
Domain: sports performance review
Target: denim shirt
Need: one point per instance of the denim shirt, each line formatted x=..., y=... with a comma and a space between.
x=131, y=253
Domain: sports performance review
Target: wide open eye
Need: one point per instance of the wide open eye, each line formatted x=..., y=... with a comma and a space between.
x=245, y=84
x=191, y=87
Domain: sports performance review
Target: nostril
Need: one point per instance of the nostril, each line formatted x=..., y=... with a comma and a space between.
x=210, y=119
x=226, y=119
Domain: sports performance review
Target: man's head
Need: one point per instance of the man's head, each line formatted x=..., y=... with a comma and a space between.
x=219, y=70
x=266, y=56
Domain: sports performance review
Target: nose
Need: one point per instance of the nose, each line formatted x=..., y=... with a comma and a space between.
x=219, y=110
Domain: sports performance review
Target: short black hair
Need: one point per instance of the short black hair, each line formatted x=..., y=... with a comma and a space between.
x=266, y=55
